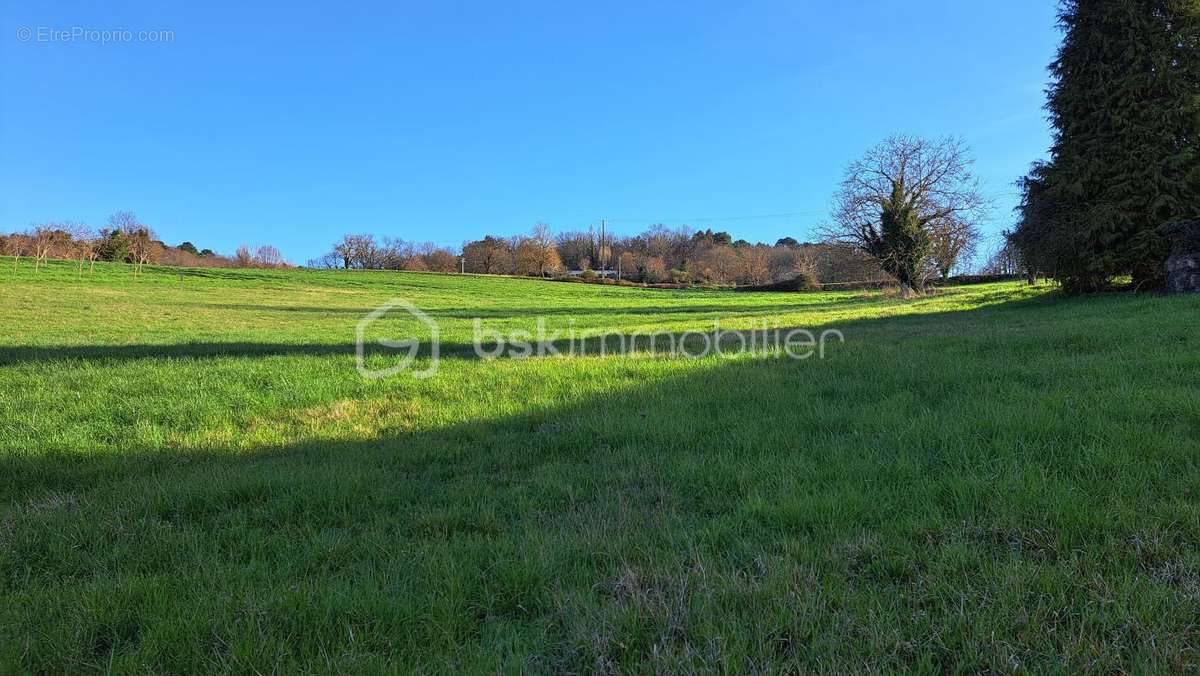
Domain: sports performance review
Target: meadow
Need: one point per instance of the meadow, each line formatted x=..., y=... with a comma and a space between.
x=194, y=477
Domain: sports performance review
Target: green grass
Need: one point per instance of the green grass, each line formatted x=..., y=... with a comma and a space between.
x=195, y=478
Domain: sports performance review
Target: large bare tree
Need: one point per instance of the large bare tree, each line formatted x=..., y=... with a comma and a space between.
x=894, y=201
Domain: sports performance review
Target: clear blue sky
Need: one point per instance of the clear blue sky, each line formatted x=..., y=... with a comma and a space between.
x=442, y=121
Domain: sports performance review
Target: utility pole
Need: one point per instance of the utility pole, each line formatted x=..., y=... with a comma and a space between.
x=603, y=254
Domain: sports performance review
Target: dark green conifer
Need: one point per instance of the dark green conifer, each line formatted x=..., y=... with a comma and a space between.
x=1125, y=106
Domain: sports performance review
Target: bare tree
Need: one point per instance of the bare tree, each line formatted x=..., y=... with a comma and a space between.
x=627, y=267
x=86, y=246
x=490, y=255
x=573, y=247
x=1007, y=259
x=243, y=257
x=790, y=262
x=414, y=263
x=754, y=265
x=345, y=249
x=533, y=258
x=537, y=254
x=15, y=245
x=891, y=201
x=718, y=263
x=329, y=261
x=652, y=269
x=441, y=260
x=142, y=247
x=953, y=244
x=268, y=256
x=138, y=238
x=43, y=240
x=123, y=221
x=364, y=252
x=396, y=254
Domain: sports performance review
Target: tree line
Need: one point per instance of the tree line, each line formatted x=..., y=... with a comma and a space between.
x=658, y=255
x=366, y=252
x=123, y=239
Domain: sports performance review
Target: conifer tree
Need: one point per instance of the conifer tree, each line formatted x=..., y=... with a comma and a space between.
x=1125, y=105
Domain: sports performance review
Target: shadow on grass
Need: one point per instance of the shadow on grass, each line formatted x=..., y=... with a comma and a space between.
x=682, y=309
x=558, y=342
x=626, y=528
x=980, y=322
x=699, y=408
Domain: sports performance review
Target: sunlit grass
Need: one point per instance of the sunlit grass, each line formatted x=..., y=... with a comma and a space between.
x=194, y=477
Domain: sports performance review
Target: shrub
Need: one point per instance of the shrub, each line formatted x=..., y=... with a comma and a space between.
x=807, y=281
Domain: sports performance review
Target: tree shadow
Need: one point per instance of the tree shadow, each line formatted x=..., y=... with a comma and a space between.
x=643, y=341
x=533, y=312
x=663, y=514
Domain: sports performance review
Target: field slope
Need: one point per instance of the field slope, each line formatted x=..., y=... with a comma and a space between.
x=194, y=477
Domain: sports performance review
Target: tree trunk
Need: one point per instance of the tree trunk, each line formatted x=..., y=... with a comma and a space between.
x=911, y=283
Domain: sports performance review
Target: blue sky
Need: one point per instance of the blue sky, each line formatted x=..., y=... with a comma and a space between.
x=442, y=121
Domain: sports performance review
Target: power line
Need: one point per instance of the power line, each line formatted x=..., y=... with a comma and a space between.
x=750, y=217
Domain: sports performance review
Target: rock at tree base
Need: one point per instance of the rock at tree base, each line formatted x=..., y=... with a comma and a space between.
x=1183, y=266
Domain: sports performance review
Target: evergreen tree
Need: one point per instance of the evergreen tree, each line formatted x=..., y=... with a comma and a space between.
x=1125, y=105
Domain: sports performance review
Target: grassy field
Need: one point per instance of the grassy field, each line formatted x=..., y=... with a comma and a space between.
x=194, y=477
